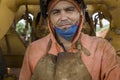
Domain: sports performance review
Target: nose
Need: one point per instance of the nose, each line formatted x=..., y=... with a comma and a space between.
x=64, y=15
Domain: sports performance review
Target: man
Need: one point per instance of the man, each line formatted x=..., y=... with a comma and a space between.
x=67, y=53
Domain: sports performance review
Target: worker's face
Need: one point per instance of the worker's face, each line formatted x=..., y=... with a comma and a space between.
x=64, y=14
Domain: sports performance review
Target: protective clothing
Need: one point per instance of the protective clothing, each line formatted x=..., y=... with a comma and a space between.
x=64, y=66
x=68, y=33
x=102, y=64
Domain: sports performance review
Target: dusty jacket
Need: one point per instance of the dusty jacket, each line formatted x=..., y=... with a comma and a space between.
x=102, y=63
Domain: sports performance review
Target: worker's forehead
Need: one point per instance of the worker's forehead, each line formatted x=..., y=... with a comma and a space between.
x=56, y=3
x=63, y=4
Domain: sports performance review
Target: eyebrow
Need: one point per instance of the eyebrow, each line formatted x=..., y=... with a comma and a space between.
x=69, y=7
x=55, y=10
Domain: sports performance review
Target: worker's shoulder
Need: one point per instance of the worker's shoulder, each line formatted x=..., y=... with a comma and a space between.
x=40, y=43
x=93, y=39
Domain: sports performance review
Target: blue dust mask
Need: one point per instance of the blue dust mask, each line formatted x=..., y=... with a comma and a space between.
x=68, y=33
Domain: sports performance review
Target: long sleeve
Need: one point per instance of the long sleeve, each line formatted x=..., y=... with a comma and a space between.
x=110, y=64
x=25, y=73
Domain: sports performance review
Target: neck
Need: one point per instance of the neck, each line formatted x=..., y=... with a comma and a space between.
x=65, y=43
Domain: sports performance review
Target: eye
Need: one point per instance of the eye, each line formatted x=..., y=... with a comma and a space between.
x=55, y=12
